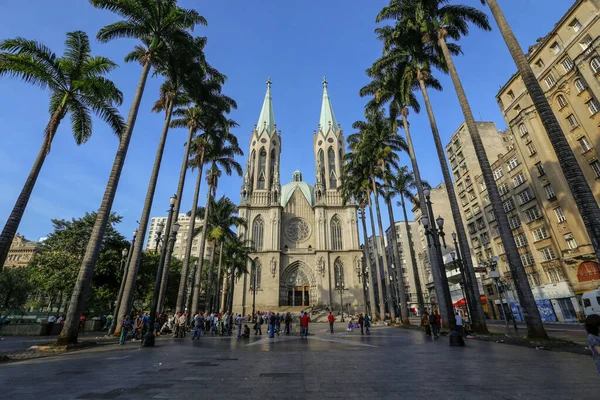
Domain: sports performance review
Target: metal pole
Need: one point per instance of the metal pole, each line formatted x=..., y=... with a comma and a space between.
x=113, y=324
x=254, y=292
x=149, y=340
x=342, y=300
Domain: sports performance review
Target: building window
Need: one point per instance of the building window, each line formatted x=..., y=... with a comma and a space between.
x=523, y=129
x=521, y=240
x=480, y=223
x=495, y=231
x=491, y=215
x=256, y=274
x=262, y=164
x=550, y=194
x=555, y=275
x=336, y=233
x=532, y=214
x=513, y=163
x=498, y=172
x=595, y=64
x=575, y=25
x=500, y=248
x=562, y=102
x=527, y=259
x=593, y=106
x=531, y=148
x=539, y=63
x=596, y=168
x=525, y=196
x=586, y=42
x=519, y=179
x=540, y=233
x=560, y=215
x=567, y=64
x=572, y=121
x=514, y=222
x=547, y=254
x=332, y=176
x=555, y=47
x=508, y=205
x=511, y=94
x=338, y=268
x=534, y=279
x=588, y=271
x=540, y=168
x=570, y=241
x=550, y=81
x=503, y=189
x=579, y=85
x=258, y=231
x=584, y=143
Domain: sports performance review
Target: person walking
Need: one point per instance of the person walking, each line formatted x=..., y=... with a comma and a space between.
x=433, y=324
x=425, y=323
x=288, y=323
x=278, y=324
x=271, y=325
x=125, y=326
x=50, y=324
x=592, y=326
x=331, y=320
x=459, y=324
x=238, y=322
x=361, y=322
x=198, y=324
x=304, y=324
x=367, y=324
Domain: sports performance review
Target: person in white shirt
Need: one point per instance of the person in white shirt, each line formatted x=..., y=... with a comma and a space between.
x=459, y=323
x=50, y=324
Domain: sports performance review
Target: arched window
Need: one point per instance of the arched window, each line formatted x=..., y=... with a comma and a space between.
x=272, y=166
x=255, y=273
x=579, y=85
x=523, y=129
x=338, y=269
x=252, y=165
x=588, y=271
x=562, y=102
x=258, y=232
x=262, y=165
x=322, y=162
x=595, y=64
x=336, y=233
x=332, y=176
x=340, y=160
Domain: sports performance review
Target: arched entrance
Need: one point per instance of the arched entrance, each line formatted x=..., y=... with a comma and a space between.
x=296, y=287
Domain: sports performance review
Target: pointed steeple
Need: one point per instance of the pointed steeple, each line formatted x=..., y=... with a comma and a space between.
x=327, y=115
x=267, y=118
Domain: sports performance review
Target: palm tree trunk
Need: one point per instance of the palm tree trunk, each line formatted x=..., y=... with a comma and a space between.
x=69, y=333
x=14, y=219
x=535, y=329
x=435, y=268
x=230, y=302
x=582, y=194
x=377, y=273
x=198, y=277
x=190, y=240
x=367, y=266
x=210, y=283
x=171, y=243
x=413, y=259
x=397, y=263
x=386, y=270
x=471, y=284
x=218, y=285
x=144, y=219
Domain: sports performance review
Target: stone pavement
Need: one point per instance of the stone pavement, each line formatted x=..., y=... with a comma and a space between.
x=392, y=363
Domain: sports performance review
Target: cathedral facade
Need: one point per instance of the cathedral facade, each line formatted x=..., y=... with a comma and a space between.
x=305, y=240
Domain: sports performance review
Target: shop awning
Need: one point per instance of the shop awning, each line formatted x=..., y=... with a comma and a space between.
x=463, y=301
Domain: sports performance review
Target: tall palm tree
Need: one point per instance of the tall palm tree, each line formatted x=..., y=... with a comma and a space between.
x=219, y=153
x=389, y=87
x=582, y=194
x=405, y=48
x=157, y=24
x=77, y=87
x=236, y=256
x=402, y=186
x=437, y=21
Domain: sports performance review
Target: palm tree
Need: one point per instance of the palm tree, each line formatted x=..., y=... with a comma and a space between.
x=582, y=194
x=388, y=87
x=437, y=21
x=219, y=153
x=77, y=87
x=236, y=256
x=405, y=48
x=402, y=185
x=157, y=24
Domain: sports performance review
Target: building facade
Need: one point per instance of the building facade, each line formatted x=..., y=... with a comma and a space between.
x=21, y=251
x=181, y=239
x=305, y=240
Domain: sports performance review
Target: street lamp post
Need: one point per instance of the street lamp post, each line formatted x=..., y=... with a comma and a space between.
x=495, y=275
x=124, y=253
x=230, y=305
x=159, y=230
x=253, y=287
x=340, y=286
x=362, y=273
x=149, y=339
x=456, y=257
x=436, y=234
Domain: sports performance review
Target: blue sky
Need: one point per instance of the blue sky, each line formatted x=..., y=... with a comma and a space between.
x=295, y=43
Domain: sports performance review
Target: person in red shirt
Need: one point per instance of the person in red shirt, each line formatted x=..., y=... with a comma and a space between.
x=331, y=319
x=304, y=320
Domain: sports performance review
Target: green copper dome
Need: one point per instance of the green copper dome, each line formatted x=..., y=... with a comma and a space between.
x=288, y=190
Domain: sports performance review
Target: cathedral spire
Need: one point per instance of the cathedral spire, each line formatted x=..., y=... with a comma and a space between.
x=267, y=118
x=327, y=116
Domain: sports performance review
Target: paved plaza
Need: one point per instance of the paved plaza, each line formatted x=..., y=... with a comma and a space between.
x=391, y=363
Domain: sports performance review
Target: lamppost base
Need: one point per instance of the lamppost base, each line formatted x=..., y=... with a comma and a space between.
x=148, y=340
x=456, y=339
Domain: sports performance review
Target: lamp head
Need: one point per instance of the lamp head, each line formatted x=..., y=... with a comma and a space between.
x=124, y=252
x=440, y=221
x=172, y=200
x=234, y=256
x=160, y=227
x=135, y=232
x=426, y=192
x=176, y=227
x=453, y=255
x=425, y=221
x=453, y=235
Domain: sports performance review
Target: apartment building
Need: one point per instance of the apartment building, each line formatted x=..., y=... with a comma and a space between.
x=180, y=240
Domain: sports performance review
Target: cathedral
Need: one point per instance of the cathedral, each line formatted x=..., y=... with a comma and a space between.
x=305, y=240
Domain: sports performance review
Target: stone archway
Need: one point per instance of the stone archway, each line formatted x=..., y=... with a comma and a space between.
x=297, y=286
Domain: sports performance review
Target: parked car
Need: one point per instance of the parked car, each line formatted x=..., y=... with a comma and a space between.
x=590, y=302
